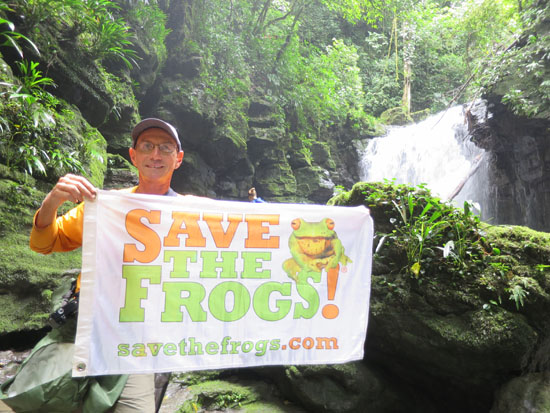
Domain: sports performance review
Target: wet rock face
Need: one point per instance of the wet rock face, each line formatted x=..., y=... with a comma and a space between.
x=10, y=362
x=519, y=174
x=529, y=393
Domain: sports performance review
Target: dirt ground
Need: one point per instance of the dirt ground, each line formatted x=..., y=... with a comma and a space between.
x=4, y=408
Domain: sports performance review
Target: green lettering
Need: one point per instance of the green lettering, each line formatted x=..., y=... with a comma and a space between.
x=211, y=264
x=217, y=300
x=123, y=350
x=251, y=264
x=182, y=347
x=181, y=258
x=169, y=349
x=212, y=348
x=275, y=344
x=235, y=347
x=195, y=347
x=138, y=350
x=261, y=301
x=308, y=293
x=247, y=346
x=134, y=274
x=154, y=348
x=261, y=347
x=174, y=301
x=225, y=342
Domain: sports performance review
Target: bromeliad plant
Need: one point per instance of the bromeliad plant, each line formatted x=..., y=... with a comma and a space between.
x=427, y=228
x=418, y=229
x=428, y=238
x=94, y=24
x=28, y=125
x=11, y=37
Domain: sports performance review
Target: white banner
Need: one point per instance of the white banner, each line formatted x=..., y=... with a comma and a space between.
x=189, y=283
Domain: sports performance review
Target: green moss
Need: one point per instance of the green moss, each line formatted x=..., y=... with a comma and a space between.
x=276, y=180
x=236, y=133
x=531, y=244
x=499, y=266
x=18, y=202
x=343, y=198
x=266, y=407
x=191, y=378
x=420, y=115
x=96, y=150
x=149, y=23
x=26, y=280
x=396, y=116
x=218, y=395
x=484, y=330
x=30, y=313
x=83, y=142
x=26, y=277
x=120, y=90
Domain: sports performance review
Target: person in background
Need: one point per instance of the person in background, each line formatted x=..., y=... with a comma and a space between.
x=253, y=196
x=156, y=152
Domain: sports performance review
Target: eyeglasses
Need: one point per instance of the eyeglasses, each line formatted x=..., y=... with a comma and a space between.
x=148, y=147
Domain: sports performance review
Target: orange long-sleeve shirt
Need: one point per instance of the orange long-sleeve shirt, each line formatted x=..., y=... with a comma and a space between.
x=63, y=234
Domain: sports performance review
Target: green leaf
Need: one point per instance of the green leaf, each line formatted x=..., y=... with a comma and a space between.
x=10, y=24
x=415, y=269
x=426, y=209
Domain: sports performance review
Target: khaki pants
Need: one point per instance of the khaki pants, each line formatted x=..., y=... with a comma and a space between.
x=138, y=395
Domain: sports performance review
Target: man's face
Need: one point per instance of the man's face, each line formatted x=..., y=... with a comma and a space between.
x=156, y=155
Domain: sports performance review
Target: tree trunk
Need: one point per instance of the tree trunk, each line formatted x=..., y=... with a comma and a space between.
x=290, y=33
x=407, y=32
x=406, y=100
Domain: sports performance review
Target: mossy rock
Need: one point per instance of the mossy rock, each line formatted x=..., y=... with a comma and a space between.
x=194, y=176
x=314, y=183
x=396, y=116
x=420, y=115
x=75, y=132
x=27, y=278
x=226, y=395
x=528, y=393
x=275, y=181
x=320, y=151
x=125, y=114
x=120, y=173
x=472, y=322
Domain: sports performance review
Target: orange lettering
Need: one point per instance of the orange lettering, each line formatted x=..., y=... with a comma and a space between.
x=307, y=343
x=256, y=230
x=192, y=229
x=143, y=234
x=222, y=238
x=292, y=341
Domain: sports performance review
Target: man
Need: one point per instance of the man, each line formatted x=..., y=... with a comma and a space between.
x=253, y=196
x=156, y=152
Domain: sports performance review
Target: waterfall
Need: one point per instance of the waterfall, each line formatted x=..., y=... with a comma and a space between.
x=436, y=152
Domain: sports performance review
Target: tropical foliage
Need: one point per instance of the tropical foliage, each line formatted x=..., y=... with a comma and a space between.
x=320, y=63
x=527, y=62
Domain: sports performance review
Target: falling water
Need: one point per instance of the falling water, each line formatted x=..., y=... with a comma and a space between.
x=436, y=152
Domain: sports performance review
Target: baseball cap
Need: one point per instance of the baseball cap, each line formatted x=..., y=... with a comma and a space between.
x=155, y=123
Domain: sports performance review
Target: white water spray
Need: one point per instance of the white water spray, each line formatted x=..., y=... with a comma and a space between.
x=436, y=152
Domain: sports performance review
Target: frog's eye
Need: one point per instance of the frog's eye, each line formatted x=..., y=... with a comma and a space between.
x=295, y=224
x=330, y=223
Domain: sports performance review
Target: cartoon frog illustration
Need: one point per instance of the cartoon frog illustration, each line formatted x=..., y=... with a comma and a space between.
x=314, y=246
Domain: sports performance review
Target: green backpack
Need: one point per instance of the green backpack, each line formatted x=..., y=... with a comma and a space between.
x=44, y=381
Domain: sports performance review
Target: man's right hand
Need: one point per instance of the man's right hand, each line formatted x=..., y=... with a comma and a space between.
x=72, y=188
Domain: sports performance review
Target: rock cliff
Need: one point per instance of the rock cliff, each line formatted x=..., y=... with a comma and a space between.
x=519, y=154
